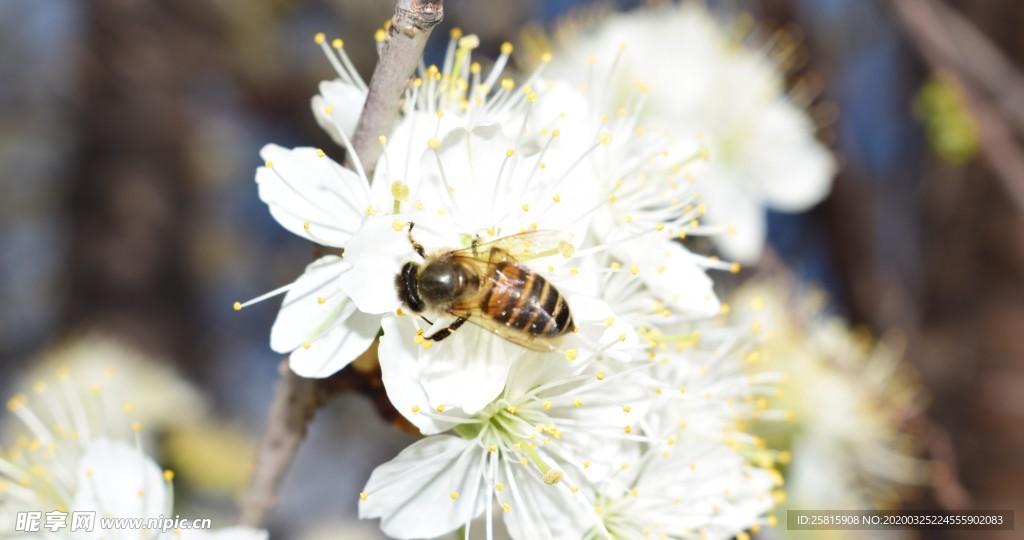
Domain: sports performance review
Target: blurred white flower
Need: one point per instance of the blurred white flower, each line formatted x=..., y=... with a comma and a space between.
x=79, y=452
x=847, y=399
x=698, y=78
x=120, y=370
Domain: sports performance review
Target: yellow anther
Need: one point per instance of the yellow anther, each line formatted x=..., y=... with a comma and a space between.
x=577, y=403
x=319, y=37
x=634, y=269
x=546, y=57
x=600, y=375
x=305, y=226
x=416, y=409
x=328, y=110
x=556, y=198
x=306, y=344
x=320, y=152
x=468, y=42
x=136, y=427
x=380, y=35
x=605, y=139
x=526, y=208
x=268, y=164
x=363, y=495
x=511, y=409
x=506, y=507
x=546, y=405
x=628, y=218
x=510, y=152
x=570, y=354
x=726, y=309
x=523, y=460
x=455, y=33
x=492, y=448
x=433, y=144
x=440, y=408
x=499, y=487
x=613, y=197
x=337, y=43
x=474, y=68
x=398, y=225
x=320, y=300
x=628, y=429
x=506, y=48
x=508, y=84
x=552, y=477
x=237, y=306
x=454, y=495
x=735, y=268
x=556, y=133
x=168, y=475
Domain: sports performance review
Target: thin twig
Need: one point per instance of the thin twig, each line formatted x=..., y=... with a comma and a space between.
x=410, y=27
x=929, y=28
x=296, y=399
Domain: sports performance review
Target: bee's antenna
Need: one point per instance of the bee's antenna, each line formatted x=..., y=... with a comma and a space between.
x=416, y=246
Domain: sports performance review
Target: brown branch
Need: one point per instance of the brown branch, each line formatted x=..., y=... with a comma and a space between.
x=928, y=24
x=410, y=27
x=295, y=402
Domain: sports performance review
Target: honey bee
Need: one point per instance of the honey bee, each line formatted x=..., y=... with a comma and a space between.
x=485, y=285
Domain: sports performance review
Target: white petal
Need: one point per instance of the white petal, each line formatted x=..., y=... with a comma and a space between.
x=400, y=372
x=346, y=104
x=673, y=271
x=303, y=317
x=729, y=205
x=303, y=189
x=795, y=169
x=466, y=370
x=118, y=480
x=412, y=494
x=332, y=352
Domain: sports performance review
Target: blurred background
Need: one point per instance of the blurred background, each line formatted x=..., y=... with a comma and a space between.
x=129, y=136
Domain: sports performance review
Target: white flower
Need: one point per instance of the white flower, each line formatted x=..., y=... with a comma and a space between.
x=556, y=424
x=686, y=489
x=102, y=362
x=72, y=456
x=846, y=401
x=762, y=146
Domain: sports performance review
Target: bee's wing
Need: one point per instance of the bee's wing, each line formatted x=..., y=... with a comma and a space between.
x=519, y=247
x=534, y=343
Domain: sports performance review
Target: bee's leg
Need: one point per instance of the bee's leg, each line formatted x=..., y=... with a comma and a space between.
x=447, y=331
x=416, y=246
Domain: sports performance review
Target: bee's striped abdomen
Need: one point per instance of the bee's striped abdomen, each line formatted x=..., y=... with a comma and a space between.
x=525, y=301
